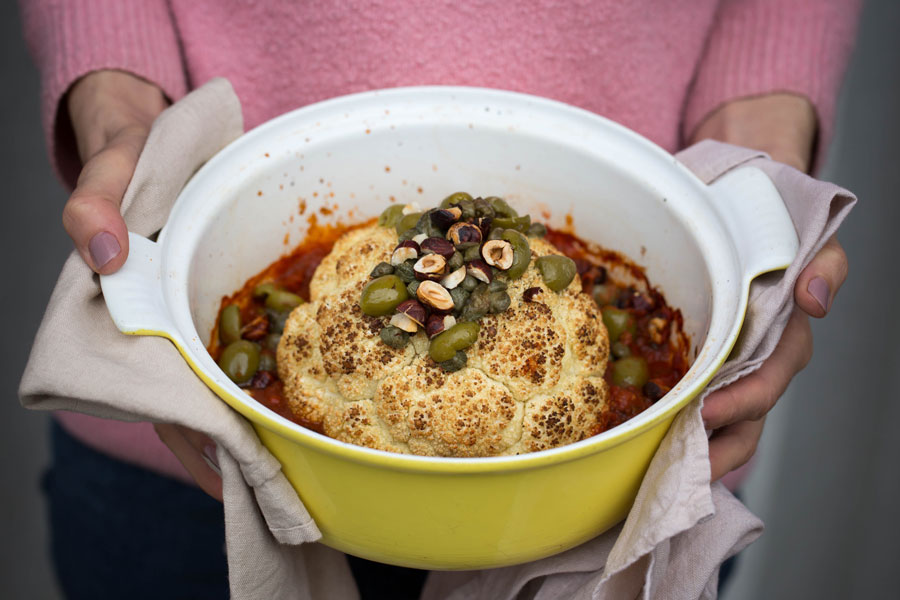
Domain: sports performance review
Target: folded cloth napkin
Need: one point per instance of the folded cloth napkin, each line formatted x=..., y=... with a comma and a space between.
x=679, y=531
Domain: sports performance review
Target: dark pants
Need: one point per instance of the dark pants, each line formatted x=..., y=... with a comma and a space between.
x=120, y=531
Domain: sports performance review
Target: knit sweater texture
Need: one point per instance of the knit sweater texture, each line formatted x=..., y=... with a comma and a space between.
x=657, y=66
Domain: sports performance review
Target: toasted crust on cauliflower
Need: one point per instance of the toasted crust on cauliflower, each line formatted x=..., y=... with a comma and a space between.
x=533, y=380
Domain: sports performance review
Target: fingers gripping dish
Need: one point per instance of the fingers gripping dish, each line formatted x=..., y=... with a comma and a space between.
x=532, y=378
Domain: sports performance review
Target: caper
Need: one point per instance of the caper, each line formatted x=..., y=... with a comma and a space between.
x=381, y=296
x=495, y=234
x=620, y=349
x=460, y=297
x=407, y=222
x=537, y=230
x=456, y=363
x=264, y=289
x=469, y=283
x=499, y=302
x=498, y=284
x=473, y=252
x=630, y=371
x=501, y=208
x=445, y=345
x=240, y=360
x=605, y=294
x=520, y=224
x=455, y=262
x=467, y=206
x=405, y=272
x=394, y=337
x=556, y=271
x=381, y=269
x=282, y=300
x=478, y=305
x=271, y=341
x=521, y=253
x=483, y=208
x=408, y=234
x=455, y=198
x=230, y=324
x=391, y=215
x=465, y=247
x=277, y=319
x=267, y=362
x=412, y=287
x=427, y=226
x=617, y=322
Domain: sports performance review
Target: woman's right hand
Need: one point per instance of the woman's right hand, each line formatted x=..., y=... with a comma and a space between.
x=111, y=113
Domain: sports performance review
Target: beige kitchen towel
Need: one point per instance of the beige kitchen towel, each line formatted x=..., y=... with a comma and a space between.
x=670, y=546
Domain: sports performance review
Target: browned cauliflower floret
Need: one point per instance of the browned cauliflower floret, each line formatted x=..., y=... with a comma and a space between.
x=534, y=379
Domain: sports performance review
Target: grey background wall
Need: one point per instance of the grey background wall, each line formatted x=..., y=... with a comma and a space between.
x=827, y=482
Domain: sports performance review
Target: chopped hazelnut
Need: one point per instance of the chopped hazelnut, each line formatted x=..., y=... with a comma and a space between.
x=402, y=321
x=498, y=253
x=454, y=279
x=439, y=323
x=462, y=233
x=480, y=270
x=414, y=310
x=435, y=295
x=436, y=245
x=430, y=266
x=405, y=251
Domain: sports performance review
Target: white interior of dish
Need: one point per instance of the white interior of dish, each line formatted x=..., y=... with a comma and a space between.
x=355, y=155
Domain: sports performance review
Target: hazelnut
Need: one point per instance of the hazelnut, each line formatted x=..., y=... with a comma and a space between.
x=401, y=321
x=419, y=238
x=445, y=217
x=436, y=245
x=405, y=251
x=430, y=266
x=480, y=270
x=439, y=323
x=454, y=279
x=529, y=294
x=498, y=253
x=435, y=295
x=463, y=233
x=414, y=310
x=485, y=224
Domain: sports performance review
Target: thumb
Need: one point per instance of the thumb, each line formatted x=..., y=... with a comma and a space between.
x=92, y=216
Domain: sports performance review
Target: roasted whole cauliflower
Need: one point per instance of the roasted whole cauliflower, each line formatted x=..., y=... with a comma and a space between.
x=533, y=379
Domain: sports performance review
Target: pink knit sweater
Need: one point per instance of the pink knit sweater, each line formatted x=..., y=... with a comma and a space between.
x=657, y=66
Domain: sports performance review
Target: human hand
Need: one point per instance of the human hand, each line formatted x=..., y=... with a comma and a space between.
x=197, y=452
x=784, y=126
x=111, y=113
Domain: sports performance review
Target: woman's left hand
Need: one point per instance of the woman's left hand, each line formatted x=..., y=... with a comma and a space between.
x=784, y=126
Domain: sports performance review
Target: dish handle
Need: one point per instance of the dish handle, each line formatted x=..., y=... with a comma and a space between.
x=756, y=219
x=134, y=295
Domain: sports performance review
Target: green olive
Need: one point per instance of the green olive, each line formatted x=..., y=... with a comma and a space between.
x=240, y=360
x=537, y=230
x=605, y=293
x=459, y=337
x=521, y=253
x=271, y=341
x=391, y=215
x=455, y=198
x=407, y=222
x=501, y=208
x=620, y=349
x=267, y=362
x=264, y=289
x=230, y=324
x=520, y=224
x=394, y=337
x=283, y=301
x=556, y=271
x=381, y=296
x=617, y=322
x=456, y=363
x=630, y=371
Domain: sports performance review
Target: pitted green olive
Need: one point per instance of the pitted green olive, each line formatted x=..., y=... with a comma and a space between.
x=381, y=296
x=620, y=349
x=521, y=253
x=391, y=216
x=556, y=271
x=407, y=222
x=230, y=324
x=630, y=371
x=520, y=224
x=617, y=322
x=537, y=230
x=264, y=289
x=501, y=208
x=455, y=198
x=240, y=360
x=459, y=337
x=282, y=300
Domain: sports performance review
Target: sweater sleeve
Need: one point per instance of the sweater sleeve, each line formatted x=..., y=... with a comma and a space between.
x=70, y=38
x=758, y=47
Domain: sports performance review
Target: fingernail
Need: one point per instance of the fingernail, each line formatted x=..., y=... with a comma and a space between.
x=818, y=287
x=103, y=247
x=209, y=453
